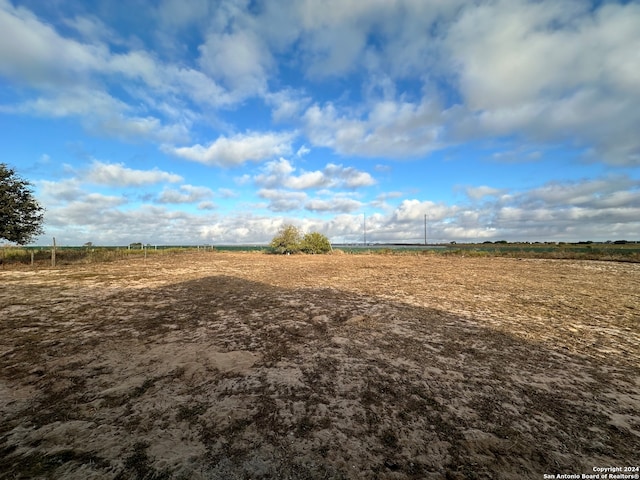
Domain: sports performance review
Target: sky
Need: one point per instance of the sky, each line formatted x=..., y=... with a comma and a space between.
x=191, y=122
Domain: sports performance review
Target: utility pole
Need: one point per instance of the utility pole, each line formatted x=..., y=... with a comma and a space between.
x=365, y=229
x=425, y=229
x=53, y=253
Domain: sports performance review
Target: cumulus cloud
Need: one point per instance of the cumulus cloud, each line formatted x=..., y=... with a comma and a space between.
x=238, y=149
x=239, y=59
x=102, y=114
x=82, y=77
x=552, y=70
x=117, y=175
x=38, y=54
x=542, y=72
x=207, y=206
x=287, y=201
x=602, y=207
x=283, y=201
x=337, y=204
x=349, y=176
x=187, y=194
x=592, y=209
x=476, y=193
x=302, y=151
x=280, y=173
x=62, y=191
x=389, y=129
x=179, y=14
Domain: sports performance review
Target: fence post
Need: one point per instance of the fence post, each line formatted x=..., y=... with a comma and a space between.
x=32, y=258
x=53, y=253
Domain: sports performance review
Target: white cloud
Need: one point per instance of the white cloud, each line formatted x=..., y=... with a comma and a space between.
x=227, y=193
x=542, y=71
x=287, y=104
x=593, y=193
x=288, y=201
x=238, y=59
x=390, y=129
x=477, y=193
x=306, y=180
x=592, y=209
x=186, y=194
x=104, y=225
x=82, y=78
x=338, y=204
x=61, y=191
x=552, y=71
x=348, y=176
x=207, y=206
x=180, y=14
x=37, y=54
x=91, y=29
x=302, y=151
x=279, y=173
x=236, y=150
x=283, y=201
x=415, y=210
x=102, y=114
x=334, y=36
x=117, y=175
x=82, y=102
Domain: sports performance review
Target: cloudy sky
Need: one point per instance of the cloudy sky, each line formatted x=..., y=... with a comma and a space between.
x=202, y=121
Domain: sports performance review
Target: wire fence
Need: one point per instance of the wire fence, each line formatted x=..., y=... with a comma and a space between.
x=62, y=255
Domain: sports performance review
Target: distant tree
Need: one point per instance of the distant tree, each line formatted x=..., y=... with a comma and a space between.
x=21, y=215
x=287, y=240
x=315, y=242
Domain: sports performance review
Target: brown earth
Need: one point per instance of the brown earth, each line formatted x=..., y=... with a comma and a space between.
x=248, y=366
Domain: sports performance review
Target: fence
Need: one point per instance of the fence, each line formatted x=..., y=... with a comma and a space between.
x=56, y=255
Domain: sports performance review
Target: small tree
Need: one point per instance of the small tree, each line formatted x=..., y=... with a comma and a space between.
x=315, y=242
x=20, y=214
x=287, y=240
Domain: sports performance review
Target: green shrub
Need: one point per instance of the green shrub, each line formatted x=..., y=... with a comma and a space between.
x=288, y=240
x=315, y=242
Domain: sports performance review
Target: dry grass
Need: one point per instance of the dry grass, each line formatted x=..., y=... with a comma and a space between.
x=241, y=365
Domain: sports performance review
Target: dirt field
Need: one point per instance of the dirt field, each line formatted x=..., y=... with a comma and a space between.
x=254, y=366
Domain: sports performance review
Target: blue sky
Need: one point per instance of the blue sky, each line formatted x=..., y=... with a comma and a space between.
x=216, y=122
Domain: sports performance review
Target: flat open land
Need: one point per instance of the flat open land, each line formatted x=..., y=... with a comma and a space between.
x=254, y=366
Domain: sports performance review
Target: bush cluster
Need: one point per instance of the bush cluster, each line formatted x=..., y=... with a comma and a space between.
x=289, y=239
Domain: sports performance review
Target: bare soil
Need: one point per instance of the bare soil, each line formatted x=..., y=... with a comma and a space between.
x=255, y=366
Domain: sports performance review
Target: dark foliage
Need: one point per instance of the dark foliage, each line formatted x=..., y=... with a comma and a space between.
x=20, y=214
